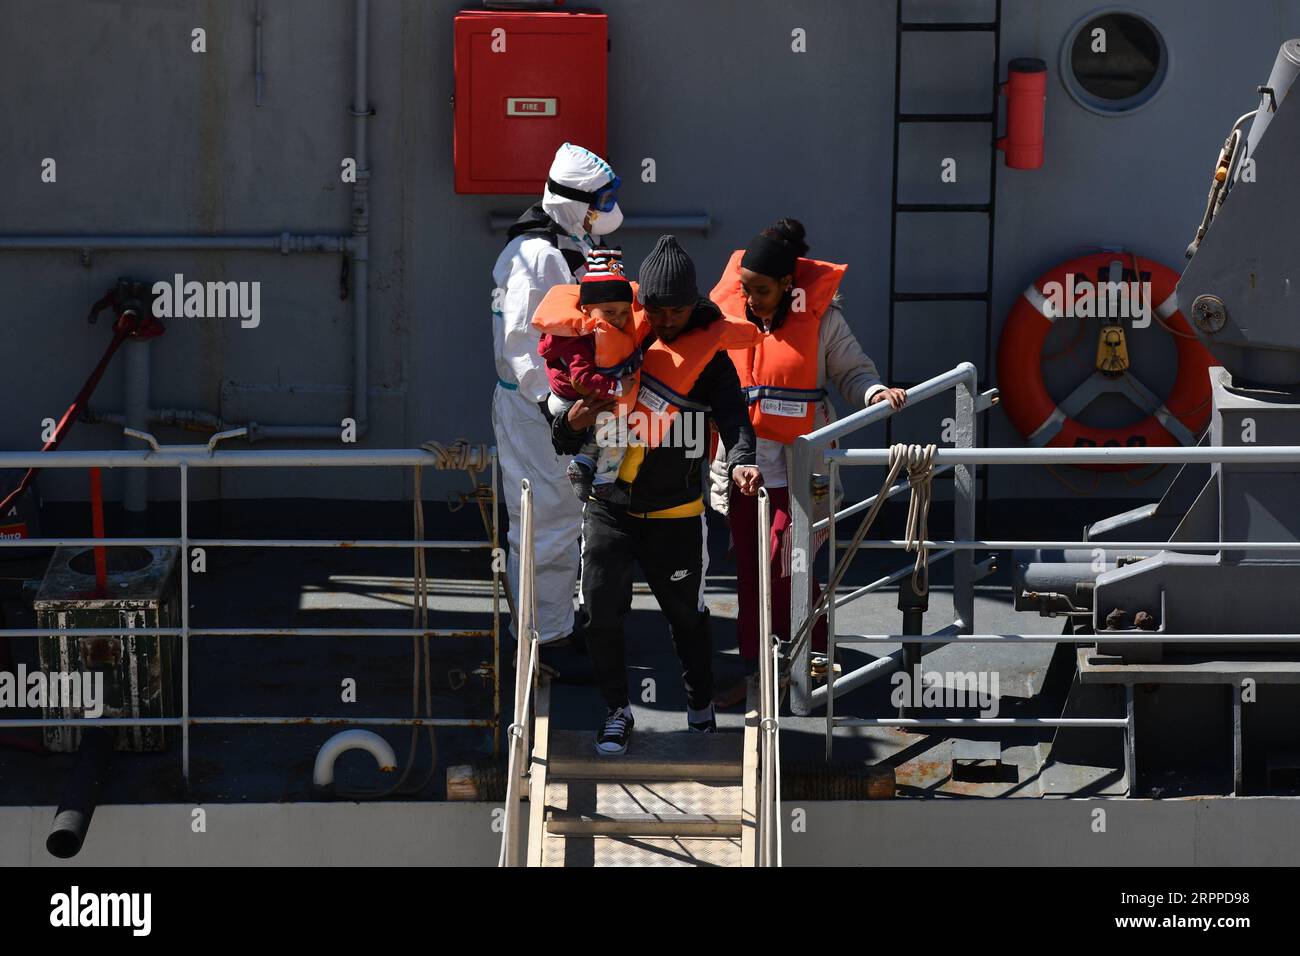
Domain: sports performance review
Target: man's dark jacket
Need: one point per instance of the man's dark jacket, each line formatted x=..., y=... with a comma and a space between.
x=668, y=476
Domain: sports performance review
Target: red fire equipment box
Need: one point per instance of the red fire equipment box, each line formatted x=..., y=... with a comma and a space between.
x=525, y=84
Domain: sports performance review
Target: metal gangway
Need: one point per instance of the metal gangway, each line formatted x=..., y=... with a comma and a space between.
x=674, y=798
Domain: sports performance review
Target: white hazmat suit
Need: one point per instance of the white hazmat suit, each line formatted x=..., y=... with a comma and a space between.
x=534, y=260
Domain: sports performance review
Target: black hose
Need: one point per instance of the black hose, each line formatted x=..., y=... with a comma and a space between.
x=81, y=793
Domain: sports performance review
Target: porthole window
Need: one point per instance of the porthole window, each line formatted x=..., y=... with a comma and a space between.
x=1114, y=61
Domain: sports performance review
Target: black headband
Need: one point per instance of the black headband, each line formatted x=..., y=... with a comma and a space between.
x=572, y=192
x=770, y=257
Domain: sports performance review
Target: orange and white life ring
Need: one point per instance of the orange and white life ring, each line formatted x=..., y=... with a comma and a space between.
x=1024, y=395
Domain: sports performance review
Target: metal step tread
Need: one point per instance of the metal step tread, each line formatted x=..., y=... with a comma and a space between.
x=650, y=808
x=579, y=851
x=674, y=756
x=644, y=825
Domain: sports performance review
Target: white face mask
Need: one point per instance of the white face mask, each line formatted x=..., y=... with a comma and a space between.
x=607, y=222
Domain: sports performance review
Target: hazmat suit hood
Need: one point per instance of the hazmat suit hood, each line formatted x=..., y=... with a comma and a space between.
x=581, y=169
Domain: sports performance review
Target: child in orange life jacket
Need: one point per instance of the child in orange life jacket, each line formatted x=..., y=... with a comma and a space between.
x=591, y=344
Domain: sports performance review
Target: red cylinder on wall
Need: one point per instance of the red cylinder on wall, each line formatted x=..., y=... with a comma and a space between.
x=1026, y=93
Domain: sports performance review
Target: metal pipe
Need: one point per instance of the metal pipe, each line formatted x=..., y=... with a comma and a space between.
x=283, y=243
x=345, y=543
x=322, y=775
x=81, y=793
x=823, y=436
x=135, y=406
x=965, y=398
x=227, y=721
x=865, y=503
x=805, y=456
x=245, y=632
x=1119, y=722
x=887, y=579
x=361, y=224
x=199, y=455
x=1125, y=636
x=185, y=624
x=177, y=417
x=257, y=56
x=336, y=543
x=1001, y=545
x=1202, y=454
x=686, y=222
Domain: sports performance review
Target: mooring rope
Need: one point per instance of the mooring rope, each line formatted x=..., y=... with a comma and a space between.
x=920, y=475
x=919, y=462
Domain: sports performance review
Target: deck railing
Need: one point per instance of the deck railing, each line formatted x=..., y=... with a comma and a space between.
x=185, y=457
x=813, y=454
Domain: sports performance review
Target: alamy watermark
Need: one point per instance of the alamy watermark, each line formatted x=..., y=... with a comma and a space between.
x=976, y=690
x=621, y=429
x=75, y=908
x=82, y=691
x=208, y=300
x=1101, y=300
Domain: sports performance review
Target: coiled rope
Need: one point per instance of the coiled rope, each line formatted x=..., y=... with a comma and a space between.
x=919, y=462
x=920, y=475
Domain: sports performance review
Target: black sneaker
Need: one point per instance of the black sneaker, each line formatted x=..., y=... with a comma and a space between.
x=580, y=475
x=614, y=736
x=701, y=721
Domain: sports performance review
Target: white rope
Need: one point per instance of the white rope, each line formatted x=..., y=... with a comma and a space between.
x=919, y=462
x=920, y=475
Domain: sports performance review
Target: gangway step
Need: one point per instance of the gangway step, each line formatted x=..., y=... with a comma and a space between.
x=645, y=824
x=649, y=808
x=580, y=851
x=674, y=799
x=651, y=756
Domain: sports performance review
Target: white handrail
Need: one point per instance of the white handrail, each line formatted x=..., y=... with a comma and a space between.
x=525, y=678
x=769, y=699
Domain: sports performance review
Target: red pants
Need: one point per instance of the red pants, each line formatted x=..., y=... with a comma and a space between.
x=742, y=514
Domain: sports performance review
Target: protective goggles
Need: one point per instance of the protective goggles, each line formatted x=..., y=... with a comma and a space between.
x=602, y=200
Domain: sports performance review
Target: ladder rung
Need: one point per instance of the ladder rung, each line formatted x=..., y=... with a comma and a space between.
x=941, y=296
x=946, y=117
x=942, y=207
x=949, y=27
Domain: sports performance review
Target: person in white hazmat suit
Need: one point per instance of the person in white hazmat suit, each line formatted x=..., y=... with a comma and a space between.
x=547, y=246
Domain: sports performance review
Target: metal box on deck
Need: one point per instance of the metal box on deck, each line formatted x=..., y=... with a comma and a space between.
x=143, y=592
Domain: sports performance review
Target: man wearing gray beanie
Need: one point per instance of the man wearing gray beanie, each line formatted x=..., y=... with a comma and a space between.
x=662, y=527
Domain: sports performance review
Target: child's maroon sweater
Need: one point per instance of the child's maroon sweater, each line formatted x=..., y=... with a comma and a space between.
x=570, y=362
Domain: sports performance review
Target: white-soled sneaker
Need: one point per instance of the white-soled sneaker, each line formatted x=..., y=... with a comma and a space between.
x=613, y=738
x=701, y=721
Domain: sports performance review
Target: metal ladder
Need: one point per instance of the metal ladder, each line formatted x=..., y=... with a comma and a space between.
x=989, y=117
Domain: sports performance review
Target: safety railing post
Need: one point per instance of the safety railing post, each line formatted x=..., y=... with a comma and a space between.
x=185, y=624
x=830, y=612
x=964, y=498
x=525, y=656
x=495, y=538
x=801, y=570
x=769, y=700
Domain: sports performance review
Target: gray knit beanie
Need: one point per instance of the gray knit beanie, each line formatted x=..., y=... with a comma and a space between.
x=667, y=277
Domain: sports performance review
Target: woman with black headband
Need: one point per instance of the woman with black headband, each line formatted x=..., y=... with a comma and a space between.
x=795, y=300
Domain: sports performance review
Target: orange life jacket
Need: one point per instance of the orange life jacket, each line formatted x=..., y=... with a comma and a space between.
x=779, y=374
x=617, y=350
x=670, y=369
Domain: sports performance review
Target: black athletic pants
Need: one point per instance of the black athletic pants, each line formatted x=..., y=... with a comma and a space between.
x=672, y=557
